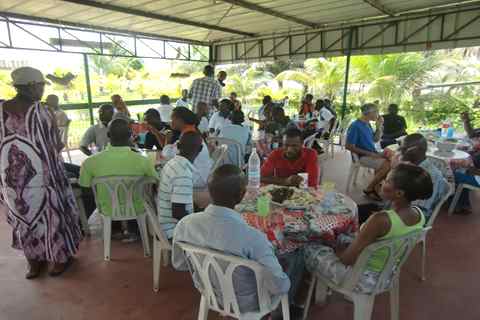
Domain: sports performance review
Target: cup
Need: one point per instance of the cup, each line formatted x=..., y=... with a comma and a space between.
x=263, y=206
x=304, y=184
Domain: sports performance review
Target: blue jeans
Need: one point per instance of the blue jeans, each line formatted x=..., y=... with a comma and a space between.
x=462, y=178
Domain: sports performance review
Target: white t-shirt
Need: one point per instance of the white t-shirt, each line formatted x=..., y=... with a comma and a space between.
x=324, y=119
x=181, y=103
x=217, y=122
x=165, y=112
x=203, y=125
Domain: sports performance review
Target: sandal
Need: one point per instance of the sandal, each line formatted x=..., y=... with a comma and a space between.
x=59, y=268
x=34, y=269
x=372, y=194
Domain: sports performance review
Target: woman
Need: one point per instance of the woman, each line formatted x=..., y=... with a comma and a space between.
x=40, y=202
x=405, y=184
x=120, y=106
x=307, y=107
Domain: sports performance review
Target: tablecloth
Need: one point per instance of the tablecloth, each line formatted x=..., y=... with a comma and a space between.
x=290, y=229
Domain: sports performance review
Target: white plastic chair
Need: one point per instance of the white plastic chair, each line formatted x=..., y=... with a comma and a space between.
x=218, y=156
x=161, y=245
x=206, y=265
x=458, y=193
x=429, y=225
x=64, y=136
x=328, y=144
x=235, y=154
x=354, y=170
x=398, y=251
x=122, y=191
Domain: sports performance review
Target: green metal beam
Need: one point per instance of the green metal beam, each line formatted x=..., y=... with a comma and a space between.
x=82, y=106
x=89, y=88
x=347, y=72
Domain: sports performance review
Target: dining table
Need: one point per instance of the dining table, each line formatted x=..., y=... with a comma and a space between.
x=291, y=228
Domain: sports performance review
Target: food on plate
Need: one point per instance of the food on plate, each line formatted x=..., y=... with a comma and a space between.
x=289, y=196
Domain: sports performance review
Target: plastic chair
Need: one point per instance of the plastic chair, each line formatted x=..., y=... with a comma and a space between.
x=458, y=193
x=429, y=225
x=161, y=246
x=218, y=156
x=64, y=137
x=122, y=190
x=398, y=251
x=328, y=144
x=354, y=170
x=206, y=265
x=235, y=150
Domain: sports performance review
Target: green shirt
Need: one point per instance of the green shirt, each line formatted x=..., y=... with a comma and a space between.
x=115, y=161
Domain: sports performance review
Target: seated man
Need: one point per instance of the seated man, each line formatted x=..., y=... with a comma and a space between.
x=175, y=191
x=117, y=159
x=414, y=151
x=221, y=228
x=97, y=134
x=237, y=132
x=60, y=115
x=470, y=176
x=221, y=118
x=361, y=141
x=165, y=109
x=152, y=118
x=394, y=126
x=284, y=164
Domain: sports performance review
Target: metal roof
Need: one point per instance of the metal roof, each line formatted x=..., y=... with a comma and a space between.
x=211, y=21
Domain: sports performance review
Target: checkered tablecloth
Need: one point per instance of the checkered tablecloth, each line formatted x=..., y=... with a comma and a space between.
x=290, y=229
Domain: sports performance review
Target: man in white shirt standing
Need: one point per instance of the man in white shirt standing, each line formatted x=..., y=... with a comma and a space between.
x=175, y=191
x=205, y=89
x=165, y=109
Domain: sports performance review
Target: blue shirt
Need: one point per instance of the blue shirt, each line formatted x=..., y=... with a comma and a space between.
x=440, y=188
x=223, y=229
x=360, y=134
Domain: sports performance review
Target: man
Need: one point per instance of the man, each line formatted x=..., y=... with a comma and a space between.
x=283, y=165
x=221, y=118
x=165, y=109
x=205, y=89
x=394, y=126
x=237, y=132
x=221, y=77
x=60, y=115
x=307, y=107
x=117, y=159
x=414, y=150
x=155, y=125
x=361, y=141
x=97, y=134
x=221, y=228
x=175, y=192
x=183, y=101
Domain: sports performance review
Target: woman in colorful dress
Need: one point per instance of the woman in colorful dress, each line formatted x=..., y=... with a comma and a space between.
x=34, y=187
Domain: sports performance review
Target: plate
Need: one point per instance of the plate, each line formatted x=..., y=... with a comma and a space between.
x=444, y=154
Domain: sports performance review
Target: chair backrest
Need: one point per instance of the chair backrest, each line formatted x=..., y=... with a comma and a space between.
x=147, y=185
x=235, y=151
x=122, y=190
x=214, y=270
x=218, y=156
x=398, y=250
x=439, y=204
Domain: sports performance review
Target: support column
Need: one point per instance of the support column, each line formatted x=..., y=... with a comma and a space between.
x=347, y=73
x=89, y=89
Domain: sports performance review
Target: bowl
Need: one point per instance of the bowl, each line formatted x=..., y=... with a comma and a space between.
x=446, y=146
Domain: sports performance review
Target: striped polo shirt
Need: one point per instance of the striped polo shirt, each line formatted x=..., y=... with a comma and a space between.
x=176, y=186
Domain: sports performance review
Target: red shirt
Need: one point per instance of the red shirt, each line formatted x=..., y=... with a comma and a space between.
x=277, y=166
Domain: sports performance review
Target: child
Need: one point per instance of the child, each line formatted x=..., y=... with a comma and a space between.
x=404, y=184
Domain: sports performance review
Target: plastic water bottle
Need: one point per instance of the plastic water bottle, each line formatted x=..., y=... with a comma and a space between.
x=254, y=171
x=450, y=132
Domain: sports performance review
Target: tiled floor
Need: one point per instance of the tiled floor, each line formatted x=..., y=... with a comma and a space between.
x=122, y=288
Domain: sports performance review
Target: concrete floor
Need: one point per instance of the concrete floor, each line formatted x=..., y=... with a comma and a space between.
x=122, y=288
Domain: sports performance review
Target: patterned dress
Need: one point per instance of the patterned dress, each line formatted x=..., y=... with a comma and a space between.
x=41, y=206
